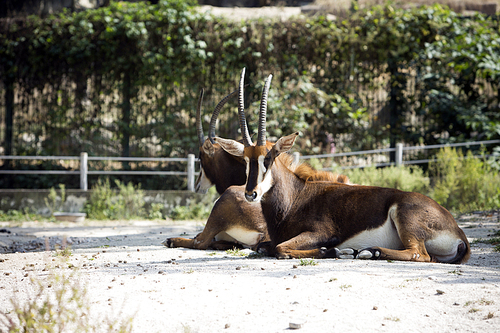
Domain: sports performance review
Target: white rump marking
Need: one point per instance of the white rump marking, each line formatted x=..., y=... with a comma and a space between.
x=240, y=235
x=443, y=246
x=384, y=236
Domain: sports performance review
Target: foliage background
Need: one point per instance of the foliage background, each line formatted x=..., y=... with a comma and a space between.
x=123, y=80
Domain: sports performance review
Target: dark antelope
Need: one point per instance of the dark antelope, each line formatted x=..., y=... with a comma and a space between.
x=233, y=222
x=315, y=219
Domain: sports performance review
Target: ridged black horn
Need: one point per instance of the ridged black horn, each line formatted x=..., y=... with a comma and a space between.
x=261, y=138
x=241, y=112
x=215, y=114
x=199, y=127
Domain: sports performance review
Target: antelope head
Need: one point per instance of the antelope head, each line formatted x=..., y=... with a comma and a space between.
x=217, y=167
x=258, y=158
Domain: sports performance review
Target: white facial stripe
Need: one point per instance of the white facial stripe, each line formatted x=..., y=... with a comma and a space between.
x=262, y=169
x=266, y=184
x=247, y=161
x=264, y=179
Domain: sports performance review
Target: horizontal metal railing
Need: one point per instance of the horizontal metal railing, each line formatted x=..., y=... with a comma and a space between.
x=190, y=161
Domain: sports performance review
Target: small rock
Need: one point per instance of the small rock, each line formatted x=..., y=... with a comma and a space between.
x=227, y=325
x=296, y=323
x=375, y=308
x=439, y=292
x=238, y=268
x=295, y=266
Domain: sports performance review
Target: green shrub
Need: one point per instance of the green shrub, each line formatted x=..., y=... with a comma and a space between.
x=193, y=211
x=155, y=213
x=405, y=178
x=125, y=203
x=464, y=183
x=22, y=216
x=51, y=201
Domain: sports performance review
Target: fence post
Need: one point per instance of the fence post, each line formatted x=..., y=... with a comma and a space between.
x=190, y=173
x=399, y=154
x=296, y=157
x=83, y=171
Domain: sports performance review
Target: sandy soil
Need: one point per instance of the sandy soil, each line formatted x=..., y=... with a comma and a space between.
x=126, y=269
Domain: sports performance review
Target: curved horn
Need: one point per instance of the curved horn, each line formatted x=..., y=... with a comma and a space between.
x=241, y=112
x=199, y=127
x=261, y=138
x=215, y=114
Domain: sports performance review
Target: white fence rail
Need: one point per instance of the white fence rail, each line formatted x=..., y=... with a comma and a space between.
x=399, y=152
x=84, y=172
x=190, y=161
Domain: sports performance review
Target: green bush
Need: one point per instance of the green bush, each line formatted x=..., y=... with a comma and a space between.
x=13, y=215
x=405, y=178
x=52, y=201
x=125, y=203
x=194, y=211
x=464, y=183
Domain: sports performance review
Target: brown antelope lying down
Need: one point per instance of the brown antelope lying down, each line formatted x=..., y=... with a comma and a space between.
x=315, y=219
x=233, y=222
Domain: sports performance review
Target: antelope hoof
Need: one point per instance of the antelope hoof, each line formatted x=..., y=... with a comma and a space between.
x=263, y=251
x=168, y=242
x=347, y=253
x=368, y=254
x=283, y=256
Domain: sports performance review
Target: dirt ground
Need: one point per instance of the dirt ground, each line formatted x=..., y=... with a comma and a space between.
x=130, y=273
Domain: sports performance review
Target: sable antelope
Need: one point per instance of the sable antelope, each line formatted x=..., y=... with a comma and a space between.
x=233, y=222
x=216, y=166
x=315, y=219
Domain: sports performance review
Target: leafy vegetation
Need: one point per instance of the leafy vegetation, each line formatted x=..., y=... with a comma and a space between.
x=53, y=202
x=22, y=216
x=406, y=178
x=307, y=262
x=126, y=203
x=382, y=75
x=463, y=183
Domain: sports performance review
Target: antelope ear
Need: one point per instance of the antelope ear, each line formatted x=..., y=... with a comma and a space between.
x=208, y=148
x=284, y=144
x=232, y=147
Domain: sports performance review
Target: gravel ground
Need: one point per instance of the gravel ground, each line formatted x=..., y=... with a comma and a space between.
x=129, y=273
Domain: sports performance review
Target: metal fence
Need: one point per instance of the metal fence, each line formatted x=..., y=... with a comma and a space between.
x=399, y=152
x=191, y=160
x=84, y=172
